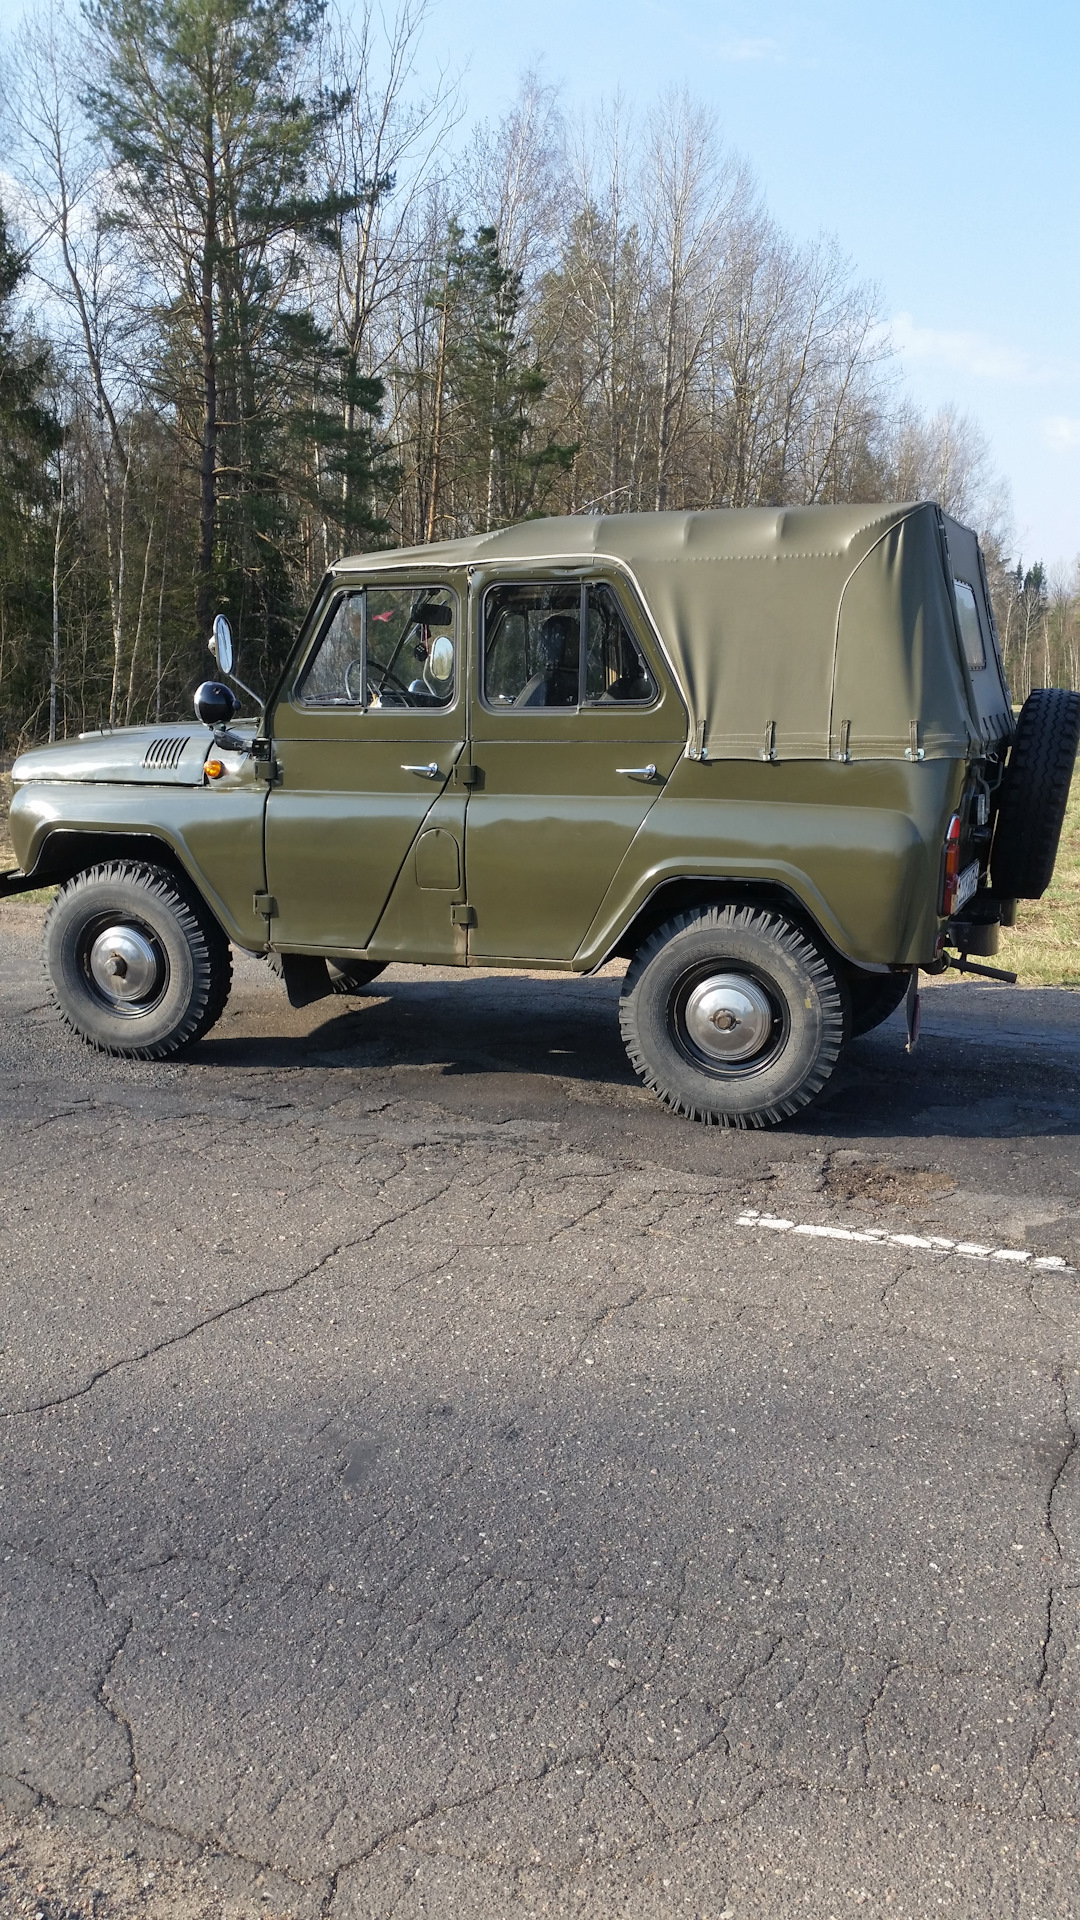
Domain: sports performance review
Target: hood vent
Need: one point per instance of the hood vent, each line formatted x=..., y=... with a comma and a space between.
x=165, y=753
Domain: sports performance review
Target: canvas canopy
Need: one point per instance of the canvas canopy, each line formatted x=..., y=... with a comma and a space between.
x=794, y=633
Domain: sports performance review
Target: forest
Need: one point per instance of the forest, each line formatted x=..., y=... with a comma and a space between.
x=265, y=300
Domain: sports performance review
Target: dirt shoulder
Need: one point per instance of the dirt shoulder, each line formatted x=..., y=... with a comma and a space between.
x=1044, y=946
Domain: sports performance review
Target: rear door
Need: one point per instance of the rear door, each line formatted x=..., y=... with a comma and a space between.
x=365, y=739
x=575, y=731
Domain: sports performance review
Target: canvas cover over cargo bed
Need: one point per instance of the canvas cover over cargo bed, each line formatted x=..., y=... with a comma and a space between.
x=794, y=633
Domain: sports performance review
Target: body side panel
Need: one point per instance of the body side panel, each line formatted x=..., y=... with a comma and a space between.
x=417, y=924
x=859, y=845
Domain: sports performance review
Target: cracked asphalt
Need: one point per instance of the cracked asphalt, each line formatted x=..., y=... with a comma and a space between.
x=419, y=1497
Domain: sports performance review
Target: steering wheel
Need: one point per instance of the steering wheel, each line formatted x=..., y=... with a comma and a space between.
x=386, y=678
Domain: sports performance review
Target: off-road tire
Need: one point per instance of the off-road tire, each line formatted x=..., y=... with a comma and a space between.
x=1034, y=794
x=352, y=976
x=874, y=996
x=195, y=960
x=809, y=1004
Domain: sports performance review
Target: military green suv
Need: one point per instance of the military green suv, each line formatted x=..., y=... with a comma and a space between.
x=767, y=757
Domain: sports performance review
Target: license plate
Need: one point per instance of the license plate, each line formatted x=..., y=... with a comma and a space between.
x=966, y=885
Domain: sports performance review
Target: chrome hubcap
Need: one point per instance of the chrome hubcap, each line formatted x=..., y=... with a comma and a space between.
x=125, y=966
x=728, y=1017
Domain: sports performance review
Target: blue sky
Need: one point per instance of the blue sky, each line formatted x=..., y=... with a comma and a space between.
x=940, y=142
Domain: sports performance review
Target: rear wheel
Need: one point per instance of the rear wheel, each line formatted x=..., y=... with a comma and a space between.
x=733, y=1016
x=137, y=963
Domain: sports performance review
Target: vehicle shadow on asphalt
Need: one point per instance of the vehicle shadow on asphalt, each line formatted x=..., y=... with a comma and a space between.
x=489, y=1030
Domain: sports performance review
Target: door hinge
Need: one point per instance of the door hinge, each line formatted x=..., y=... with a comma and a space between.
x=463, y=915
x=265, y=904
x=267, y=770
x=466, y=774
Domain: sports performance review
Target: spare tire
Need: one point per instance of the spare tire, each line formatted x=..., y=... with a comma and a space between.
x=1035, y=793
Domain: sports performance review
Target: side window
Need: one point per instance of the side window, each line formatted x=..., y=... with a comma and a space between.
x=555, y=645
x=967, y=608
x=384, y=647
x=615, y=668
x=532, y=641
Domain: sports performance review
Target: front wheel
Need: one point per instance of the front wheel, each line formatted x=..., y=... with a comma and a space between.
x=137, y=963
x=733, y=1016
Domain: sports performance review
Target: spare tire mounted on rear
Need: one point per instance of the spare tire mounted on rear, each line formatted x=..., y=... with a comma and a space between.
x=1035, y=793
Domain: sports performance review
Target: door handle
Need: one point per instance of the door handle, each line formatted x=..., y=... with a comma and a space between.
x=639, y=773
x=430, y=772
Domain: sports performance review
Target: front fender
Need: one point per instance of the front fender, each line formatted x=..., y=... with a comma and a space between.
x=213, y=835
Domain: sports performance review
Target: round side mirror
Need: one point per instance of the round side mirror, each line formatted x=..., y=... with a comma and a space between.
x=441, y=658
x=221, y=644
x=215, y=704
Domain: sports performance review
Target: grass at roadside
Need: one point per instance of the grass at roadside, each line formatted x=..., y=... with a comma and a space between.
x=1043, y=948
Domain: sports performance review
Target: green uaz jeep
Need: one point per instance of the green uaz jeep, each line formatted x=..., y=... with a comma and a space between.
x=768, y=757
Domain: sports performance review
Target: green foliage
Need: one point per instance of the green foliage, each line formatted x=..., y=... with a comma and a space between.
x=213, y=140
x=29, y=437
x=504, y=465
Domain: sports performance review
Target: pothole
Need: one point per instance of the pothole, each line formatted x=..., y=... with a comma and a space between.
x=852, y=1176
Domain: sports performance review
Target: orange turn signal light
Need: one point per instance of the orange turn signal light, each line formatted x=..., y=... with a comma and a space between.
x=214, y=769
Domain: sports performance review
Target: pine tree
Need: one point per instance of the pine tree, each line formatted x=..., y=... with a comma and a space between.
x=201, y=105
x=29, y=435
x=488, y=383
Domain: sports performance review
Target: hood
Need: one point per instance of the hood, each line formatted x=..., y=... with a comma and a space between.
x=170, y=755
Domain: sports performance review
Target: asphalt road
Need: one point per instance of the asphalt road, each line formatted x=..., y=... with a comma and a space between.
x=421, y=1497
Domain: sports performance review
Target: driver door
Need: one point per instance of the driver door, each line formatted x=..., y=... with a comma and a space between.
x=365, y=740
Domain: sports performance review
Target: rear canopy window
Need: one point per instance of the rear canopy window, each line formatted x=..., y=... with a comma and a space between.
x=970, y=628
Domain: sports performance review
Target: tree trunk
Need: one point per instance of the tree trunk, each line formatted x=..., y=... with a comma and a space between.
x=436, y=429
x=208, y=467
x=130, y=700
x=54, y=675
x=116, y=577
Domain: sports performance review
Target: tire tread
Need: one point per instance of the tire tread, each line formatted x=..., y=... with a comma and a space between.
x=764, y=924
x=1034, y=793
x=210, y=950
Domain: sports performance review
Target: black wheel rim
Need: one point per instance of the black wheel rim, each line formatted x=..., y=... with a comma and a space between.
x=692, y=1007
x=123, y=965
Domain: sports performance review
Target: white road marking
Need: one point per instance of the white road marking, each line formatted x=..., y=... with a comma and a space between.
x=930, y=1243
